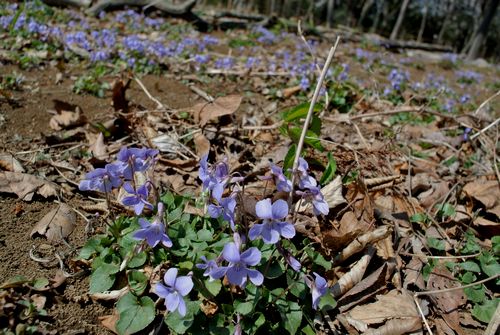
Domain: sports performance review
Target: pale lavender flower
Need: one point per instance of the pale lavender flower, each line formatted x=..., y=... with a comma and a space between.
x=154, y=232
x=272, y=227
x=207, y=265
x=305, y=180
x=225, y=208
x=237, y=271
x=313, y=194
x=283, y=184
x=138, y=198
x=214, y=179
x=318, y=288
x=175, y=289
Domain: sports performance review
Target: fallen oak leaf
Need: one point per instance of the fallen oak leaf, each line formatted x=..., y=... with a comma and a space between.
x=56, y=224
x=67, y=118
x=9, y=163
x=26, y=185
x=206, y=111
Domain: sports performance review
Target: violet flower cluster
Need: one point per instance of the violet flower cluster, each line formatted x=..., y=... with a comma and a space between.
x=234, y=262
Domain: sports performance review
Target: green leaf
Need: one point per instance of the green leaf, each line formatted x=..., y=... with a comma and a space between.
x=168, y=199
x=180, y=324
x=315, y=125
x=485, y=312
x=489, y=264
x=40, y=283
x=205, y=235
x=311, y=138
x=418, y=217
x=300, y=111
x=289, y=157
x=137, y=281
x=495, y=241
x=307, y=330
x=135, y=314
x=14, y=282
x=103, y=277
x=330, y=170
x=275, y=270
x=292, y=318
x=475, y=293
x=470, y=266
x=188, y=265
x=137, y=260
x=243, y=308
x=327, y=302
x=468, y=278
x=446, y=210
x=435, y=243
x=318, y=259
x=213, y=287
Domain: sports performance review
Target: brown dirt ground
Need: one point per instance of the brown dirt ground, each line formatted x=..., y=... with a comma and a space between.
x=22, y=126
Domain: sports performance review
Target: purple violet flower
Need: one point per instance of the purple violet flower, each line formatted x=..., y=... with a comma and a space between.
x=102, y=180
x=207, y=265
x=314, y=195
x=138, y=199
x=175, y=289
x=135, y=160
x=318, y=288
x=237, y=271
x=283, y=184
x=214, y=179
x=305, y=180
x=272, y=227
x=225, y=209
x=154, y=232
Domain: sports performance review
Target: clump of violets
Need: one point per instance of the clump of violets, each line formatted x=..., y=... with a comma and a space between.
x=122, y=172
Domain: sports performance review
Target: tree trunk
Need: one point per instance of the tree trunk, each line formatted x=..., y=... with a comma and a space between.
x=422, y=23
x=446, y=22
x=329, y=13
x=366, y=7
x=380, y=7
x=399, y=21
x=483, y=30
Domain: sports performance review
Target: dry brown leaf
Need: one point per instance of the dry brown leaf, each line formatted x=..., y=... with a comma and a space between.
x=39, y=300
x=289, y=91
x=354, y=276
x=366, y=288
x=413, y=273
x=447, y=302
x=337, y=238
x=397, y=327
x=202, y=144
x=109, y=322
x=361, y=242
x=25, y=185
x=486, y=192
x=120, y=102
x=209, y=308
x=98, y=148
x=59, y=279
x=9, y=163
x=434, y=194
x=67, y=118
x=56, y=224
x=206, y=111
x=391, y=306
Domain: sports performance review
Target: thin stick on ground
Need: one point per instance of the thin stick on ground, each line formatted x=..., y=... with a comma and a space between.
x=300, y=144
x=487, y=101
x=485, y=129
